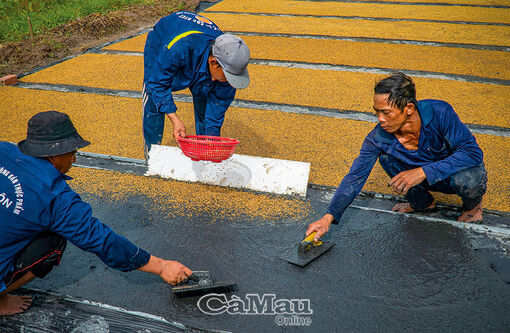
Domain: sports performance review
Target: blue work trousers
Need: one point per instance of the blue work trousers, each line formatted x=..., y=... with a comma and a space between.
x=470, y=184
x=154, y=121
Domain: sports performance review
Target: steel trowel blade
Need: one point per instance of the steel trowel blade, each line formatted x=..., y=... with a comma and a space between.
x=195, y=289
x=300, y=258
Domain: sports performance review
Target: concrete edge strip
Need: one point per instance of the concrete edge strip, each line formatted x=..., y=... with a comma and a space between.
x=350, y=68
x=258, y=105
x=479, y=228
x=411, y=3
x=113, y=158
x=126, y=163
x=392, y=197
x=363, y=18
x=381, y=70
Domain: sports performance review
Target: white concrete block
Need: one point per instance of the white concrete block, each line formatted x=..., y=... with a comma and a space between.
x=240, y=171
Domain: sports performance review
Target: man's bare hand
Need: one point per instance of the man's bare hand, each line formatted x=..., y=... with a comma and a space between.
x=170, y=271
x=402, y=182
x=174, y=272
x=179, y=127
x=320, y=226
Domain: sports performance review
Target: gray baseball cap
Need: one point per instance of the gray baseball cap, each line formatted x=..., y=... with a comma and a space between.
x=233, y=55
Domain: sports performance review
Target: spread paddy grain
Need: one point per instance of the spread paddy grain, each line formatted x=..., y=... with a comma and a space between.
x=408, y=30
x=379, y=10
x=179, y=199
x=113, y=125
x=476, y=103
x=483, y=63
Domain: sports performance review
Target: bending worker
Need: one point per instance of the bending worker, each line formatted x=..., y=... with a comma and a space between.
x=39, y=212
x=423, y=146
x=186, y=50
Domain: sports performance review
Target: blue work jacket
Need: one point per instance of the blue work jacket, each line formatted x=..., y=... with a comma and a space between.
x=175, y=58
x=446, y=146
x=35, y=197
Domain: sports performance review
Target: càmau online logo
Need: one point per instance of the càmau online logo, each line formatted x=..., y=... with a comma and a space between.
x=253, y=304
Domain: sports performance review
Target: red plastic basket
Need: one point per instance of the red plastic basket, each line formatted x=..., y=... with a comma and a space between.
x=207, y=148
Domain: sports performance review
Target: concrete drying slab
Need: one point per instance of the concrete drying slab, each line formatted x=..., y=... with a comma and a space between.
x=240, y=171
x=424, y=31
x=359, y=9
x=344, y=90
x=386, y=272
x=113, y=126
x=481, y=63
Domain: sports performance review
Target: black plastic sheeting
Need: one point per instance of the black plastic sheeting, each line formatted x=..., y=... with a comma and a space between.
x=386, y=272
x=53, y=313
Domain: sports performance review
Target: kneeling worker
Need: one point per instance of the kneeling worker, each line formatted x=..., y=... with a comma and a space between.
x=39, y=212
x=186, y=50
x=423, y=146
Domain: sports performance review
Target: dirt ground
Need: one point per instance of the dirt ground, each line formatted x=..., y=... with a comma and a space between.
x=83, y=33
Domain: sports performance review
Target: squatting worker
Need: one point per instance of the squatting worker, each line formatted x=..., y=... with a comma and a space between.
x=186, y=50
x=39, y=212
x=423, y=146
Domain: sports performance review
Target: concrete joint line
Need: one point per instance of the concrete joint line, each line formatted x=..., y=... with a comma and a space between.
x=380, y=70
x=363, y=18
x=132, y=165
x=117, y=52
x=281, y=107
x=351, y=68
x=112, y=158
x=410, y=3
x=479, y=228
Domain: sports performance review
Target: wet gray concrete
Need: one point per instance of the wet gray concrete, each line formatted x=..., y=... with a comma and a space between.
x=386, y=273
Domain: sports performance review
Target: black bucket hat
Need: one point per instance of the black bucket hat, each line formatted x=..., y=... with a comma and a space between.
x=51, y=133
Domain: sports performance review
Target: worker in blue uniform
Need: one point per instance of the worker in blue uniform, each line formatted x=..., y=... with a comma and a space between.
x=186, y=50
x=423, y=146
x=39, y=212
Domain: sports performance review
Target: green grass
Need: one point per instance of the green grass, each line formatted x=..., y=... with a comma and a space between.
x=49, y=14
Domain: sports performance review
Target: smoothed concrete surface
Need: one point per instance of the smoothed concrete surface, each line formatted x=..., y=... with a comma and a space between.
x=385, y=273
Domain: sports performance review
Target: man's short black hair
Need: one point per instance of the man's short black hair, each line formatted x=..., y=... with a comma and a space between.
x=400, y=88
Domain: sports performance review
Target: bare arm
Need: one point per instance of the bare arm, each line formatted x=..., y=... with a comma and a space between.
x=179, y=127
x=170, y=271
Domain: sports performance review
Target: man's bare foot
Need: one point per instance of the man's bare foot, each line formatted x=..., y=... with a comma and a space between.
x=13, y=304
x=405, y=207
x=472, y=216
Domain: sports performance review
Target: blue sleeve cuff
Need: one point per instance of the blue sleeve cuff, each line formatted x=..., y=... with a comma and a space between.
x=140, y=259
x=2, y=286
x=431, y=174
x=168, y=107
x=338, y=205
x=335, y=221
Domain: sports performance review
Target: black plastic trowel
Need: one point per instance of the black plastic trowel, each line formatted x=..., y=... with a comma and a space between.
x=201, y=282
x=306, y=251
